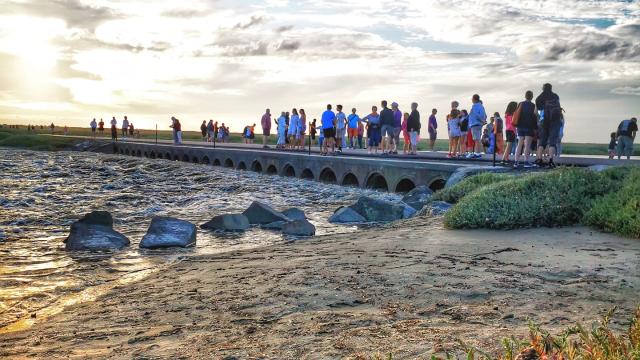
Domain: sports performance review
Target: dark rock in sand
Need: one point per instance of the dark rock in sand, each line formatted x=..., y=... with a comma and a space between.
x=299, y=228
x=166, y=232
x=87, y=235
x=98, y=218
x=345, y=215
x=418, y=197
x=294, y=214
x=381, y=210
x=260, y=213
x=276, y=225
x=435, y=208
x=227, y=222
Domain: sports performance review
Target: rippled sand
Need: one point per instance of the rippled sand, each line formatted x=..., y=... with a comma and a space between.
x=411, y=289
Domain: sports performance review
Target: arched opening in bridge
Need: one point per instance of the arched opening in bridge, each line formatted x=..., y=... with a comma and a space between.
x=437, y=184
x=272, y=170
x=228, y=163
x=256, y=166
x=377, y=182
x=405, y=185
x=146, y=154
x=167, y=156
x=126, y=152
x=160, y=156
x=289, y=171
x=328, y=176
x=115, y=149
x=307, y=174
x=242, y=166
x=138, y=153
x=350, y=180
x=185, y=158
x=195, y=160
x=205, y=160
x=121, y=152
x=216, y=162
x=176, y=158
x=152, y=155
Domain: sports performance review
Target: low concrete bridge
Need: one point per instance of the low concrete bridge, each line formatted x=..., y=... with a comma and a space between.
x=387, y=174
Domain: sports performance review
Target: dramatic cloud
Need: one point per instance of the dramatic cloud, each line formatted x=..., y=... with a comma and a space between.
x=77, y=59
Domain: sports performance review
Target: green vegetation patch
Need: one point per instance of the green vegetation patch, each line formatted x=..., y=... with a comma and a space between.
x=555, y=198
x=36, y=142
x=456, y=192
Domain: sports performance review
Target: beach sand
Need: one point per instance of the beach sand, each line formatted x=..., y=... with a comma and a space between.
x=410, y=289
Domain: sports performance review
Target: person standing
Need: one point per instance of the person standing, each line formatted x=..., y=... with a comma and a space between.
x=125, y=127
x=210, y=131
x=328, y=121
x=302, y=128
x=173, y=127
x=101, y=127
x=361, y=134
x=386, y=126
x=464, y=129
x=626, y=135
x=131, y=129
x=265, y=122
x=433, y=129
x=94, y=126
x=341, y=124
x=413, y=126
x=510, y=130
x=203, y=130
x=405, y=134
x=281, y=124
x=526, y=122
x=548, y=103
x=477, y=119
x=498, y=132
x=292, y=131
x=374, y=135
x=352, y=132
x=453, y=123
x=53, y=127
x=397, y=127
x=613, y=144
x=114, y=129
x=313, y=131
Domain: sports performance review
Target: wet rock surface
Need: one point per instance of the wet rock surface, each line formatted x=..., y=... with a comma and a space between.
x=260, y=213
x=94, y=232
x=227, y=222
x=167, y=232
x=418, y=197
x=299, y=228
x=376, y=210
x=346, y=215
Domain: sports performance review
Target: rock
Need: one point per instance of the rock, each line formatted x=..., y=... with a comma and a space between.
x=299, y=228
x=418, y=197
x=87, y=236
x=346, y=215
x=435, y=208
x=294, y=214
x=98, y=218
x=227, y=222
x=276, y=225
x=381, y=210
x=260, y=213
x=166, y=232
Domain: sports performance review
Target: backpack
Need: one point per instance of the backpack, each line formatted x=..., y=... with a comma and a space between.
x=552, y=111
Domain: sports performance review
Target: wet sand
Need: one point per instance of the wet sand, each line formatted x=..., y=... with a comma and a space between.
x=411, y=289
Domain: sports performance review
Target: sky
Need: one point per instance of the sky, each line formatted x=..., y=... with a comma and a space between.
x=67, y=61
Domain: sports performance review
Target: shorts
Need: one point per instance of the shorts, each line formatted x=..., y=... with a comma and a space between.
x=387, y=130
x=463, y=134
x=329, y=133
x=625, y=146
x=375, y=136
x=413, y=137
x=476, y=133
x=266, y=132
x=93, y=130
x=511, y=136
x=353, y=132
x=340, y=133
x=433, y=135
x=454, y=134
x=550, y=135
x=523, y=132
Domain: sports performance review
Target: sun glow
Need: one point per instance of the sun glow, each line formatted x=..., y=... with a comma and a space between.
x=31, y=38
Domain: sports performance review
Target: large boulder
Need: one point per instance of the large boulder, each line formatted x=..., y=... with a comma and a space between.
x=94, y=232
x=276, y=225
x=294, y=214
x=345, y=215
x=299, y=228
x=228, y=222
x=436, y=208
x=418, y=197
x=260, y=213
x=380, y=210
x=166, y=232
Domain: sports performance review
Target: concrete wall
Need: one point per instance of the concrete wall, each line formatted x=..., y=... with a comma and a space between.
x=386, y=174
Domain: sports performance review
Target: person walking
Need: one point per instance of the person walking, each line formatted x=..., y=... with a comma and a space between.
x=510, y=130
x=548, y=103
x=627, y=131
x=433, y=129
x=386, y=126
x=374, y=134
x=265, y=122
x=413, y=126
x=526, y=122
x=328, y=122
x=94, y=126
x=477, y=119
x=352, y=132
x=114, y=129
x=125, y=127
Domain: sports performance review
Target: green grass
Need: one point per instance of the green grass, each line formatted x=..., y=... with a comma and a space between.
x=609, y=200
x=35, y=142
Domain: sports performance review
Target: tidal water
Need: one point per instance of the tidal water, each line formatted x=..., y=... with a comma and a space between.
x=42, y=193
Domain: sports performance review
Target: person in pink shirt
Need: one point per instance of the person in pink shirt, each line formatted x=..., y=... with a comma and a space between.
x=510, y=130
x=405, y=133
x=266, y=127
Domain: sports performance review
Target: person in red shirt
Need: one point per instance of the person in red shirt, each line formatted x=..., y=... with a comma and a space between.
x=266, y=127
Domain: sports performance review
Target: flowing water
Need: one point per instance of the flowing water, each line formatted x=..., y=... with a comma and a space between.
x=42, y=193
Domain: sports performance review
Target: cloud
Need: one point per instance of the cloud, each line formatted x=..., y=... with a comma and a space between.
x=284, y=28
x=626, y=90
x=73, y=12
x=594, y=47
x=288, y=46
x=253, y=21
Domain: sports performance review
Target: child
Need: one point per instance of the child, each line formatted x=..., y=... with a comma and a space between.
x=510, y=130
x=498, y=131
x=485, y=140
x=464, y=129
x=405, y=133
x=612, y=145
x=454, y=132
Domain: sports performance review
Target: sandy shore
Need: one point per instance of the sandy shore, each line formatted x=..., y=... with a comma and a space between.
x=411, y=289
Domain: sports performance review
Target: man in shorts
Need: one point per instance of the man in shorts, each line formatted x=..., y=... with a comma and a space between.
x=266, y=128
x=626, y=134
x=477, y=119
x=433, y=129
x=341, y=126
x=397, y=127
x=328, y=122
x=386, y=124
x=352, y=131
x=549, y=103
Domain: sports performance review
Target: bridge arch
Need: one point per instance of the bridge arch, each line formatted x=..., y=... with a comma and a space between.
x=195, y=159
x=176, y=157
x=307, y=174
x=146, y=154
x=205, y=160
x=228, y=163
x=289, y=171
x=186, y=158
x=152, y=155
x=272, y=170
x=405, y=185
x=167, y=156
x=216, y=162
x=242, y=166
x=138, y=153
x=126, y=151
x=437, y=184
x=350, y=179
x=377, y=181
x=256, y=166
x=327, y=175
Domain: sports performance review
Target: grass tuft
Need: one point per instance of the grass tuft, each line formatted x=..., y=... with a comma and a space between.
x=456, y=192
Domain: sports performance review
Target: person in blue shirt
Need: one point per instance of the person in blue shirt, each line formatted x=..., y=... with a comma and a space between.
x=387, y=122
x=477, y=119
x=328, y=122
x=373, y=121
x=352, y=132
